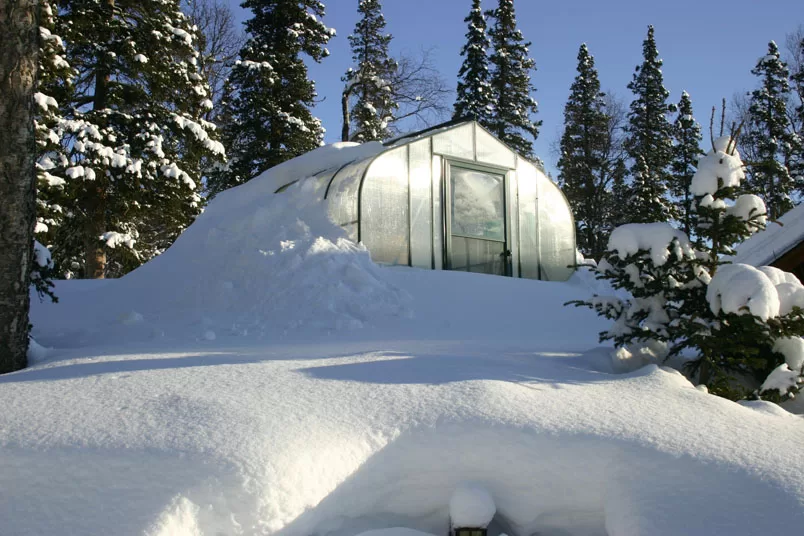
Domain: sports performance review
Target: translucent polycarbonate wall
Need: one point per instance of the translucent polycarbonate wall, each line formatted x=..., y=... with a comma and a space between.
x=491, y=151
x=384, y=208
x=527, y=178
x=342, y=196
x=512, y=211
x=438, y=227
x=395, y=204
x=556, y=232
x=458, y=142
x=421, y=207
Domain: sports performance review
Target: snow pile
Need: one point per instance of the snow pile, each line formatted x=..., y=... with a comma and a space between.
x=255, y=263
x=660, y=239
x=471, y=505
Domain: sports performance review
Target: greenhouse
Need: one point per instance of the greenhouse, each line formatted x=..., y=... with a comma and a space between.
x=453, y=197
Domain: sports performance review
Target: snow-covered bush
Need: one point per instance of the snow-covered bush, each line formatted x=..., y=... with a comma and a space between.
x=741, y=325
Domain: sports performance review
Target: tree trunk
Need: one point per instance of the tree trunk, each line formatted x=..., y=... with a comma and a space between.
x=94, y=252
x=345, y=115
x=19, y=31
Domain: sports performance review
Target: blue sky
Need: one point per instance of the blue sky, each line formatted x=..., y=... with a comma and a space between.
x=708, y=47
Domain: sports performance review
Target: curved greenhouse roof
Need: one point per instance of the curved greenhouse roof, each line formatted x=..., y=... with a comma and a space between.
x=452, y=197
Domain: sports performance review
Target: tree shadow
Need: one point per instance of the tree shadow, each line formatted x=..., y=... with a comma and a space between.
x=439, y=368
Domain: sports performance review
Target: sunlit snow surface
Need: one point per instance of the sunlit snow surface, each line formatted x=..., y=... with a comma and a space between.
x=338, y=397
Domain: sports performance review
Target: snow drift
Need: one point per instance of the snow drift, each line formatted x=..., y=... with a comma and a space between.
x=222, y=389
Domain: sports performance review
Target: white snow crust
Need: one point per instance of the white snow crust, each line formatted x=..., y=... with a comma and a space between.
x=292, y=422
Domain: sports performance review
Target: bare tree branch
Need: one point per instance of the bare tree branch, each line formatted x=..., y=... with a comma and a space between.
x=221, y=40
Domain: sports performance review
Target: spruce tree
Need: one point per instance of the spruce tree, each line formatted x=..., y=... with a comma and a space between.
x=267, y=117
x=510, y=82
x=54, y=85
x=133, y=135
x=686, y=151
x=649, y=141
x=474, y=90
x=742, y=325
x=586, y=174
x=770, y=134
x=369, y=83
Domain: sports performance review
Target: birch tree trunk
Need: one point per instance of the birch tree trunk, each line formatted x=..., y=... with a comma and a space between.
x=19, y=30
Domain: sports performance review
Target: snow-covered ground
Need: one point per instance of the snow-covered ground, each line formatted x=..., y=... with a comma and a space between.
x=263, y=376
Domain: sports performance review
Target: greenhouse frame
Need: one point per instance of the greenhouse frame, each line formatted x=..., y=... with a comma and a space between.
x=453, y=197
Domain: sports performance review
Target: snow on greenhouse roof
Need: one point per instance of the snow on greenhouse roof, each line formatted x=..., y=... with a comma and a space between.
x=778, y=238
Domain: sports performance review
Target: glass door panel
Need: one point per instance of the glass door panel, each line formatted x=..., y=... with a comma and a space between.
x=477, y=221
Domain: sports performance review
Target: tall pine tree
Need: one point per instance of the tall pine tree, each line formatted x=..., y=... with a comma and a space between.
x=686, y=151
x=267, y=117
x=770, y=134
x=369, y=83
x=133, y=132
x=586, y=171
x=510, y=82
x=649, y=142
x=474, y=90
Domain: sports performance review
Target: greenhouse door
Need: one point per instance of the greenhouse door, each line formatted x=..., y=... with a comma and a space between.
x=475, y=221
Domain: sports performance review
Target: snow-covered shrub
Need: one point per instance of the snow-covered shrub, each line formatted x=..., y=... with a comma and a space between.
x=742, y=325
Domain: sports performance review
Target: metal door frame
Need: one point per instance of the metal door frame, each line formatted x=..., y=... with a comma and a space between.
x=446, y=191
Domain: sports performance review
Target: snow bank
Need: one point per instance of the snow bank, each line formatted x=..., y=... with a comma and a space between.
x=338, y=439
x=254, y=263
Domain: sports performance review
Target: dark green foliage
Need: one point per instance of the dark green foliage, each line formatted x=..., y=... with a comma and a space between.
x=686, y=151
x=587, y=167
x=369, y=84
x=510, y=82
x=131, y=137
x=474, y=90
x=650, y=139
x=770, y=135
x=267, y=116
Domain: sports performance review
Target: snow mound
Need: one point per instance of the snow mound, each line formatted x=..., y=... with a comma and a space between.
x=471, y=506
x=254, y=263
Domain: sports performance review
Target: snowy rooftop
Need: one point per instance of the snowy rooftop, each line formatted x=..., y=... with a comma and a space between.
x=778, y=238
x=264, y=377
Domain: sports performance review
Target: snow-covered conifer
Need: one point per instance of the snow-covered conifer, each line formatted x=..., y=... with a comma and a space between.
x=650, y=139
x=770, y=134
x=510, y=82
x=369, y=82
x=586, y=172
x=133, y=134
x=55, y=83
x=742, y=325
x=686, y=151
x=474, y=90
x=267, y=117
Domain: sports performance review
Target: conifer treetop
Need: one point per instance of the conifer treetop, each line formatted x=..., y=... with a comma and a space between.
x=474, y=90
